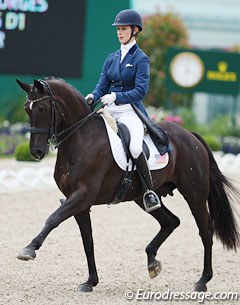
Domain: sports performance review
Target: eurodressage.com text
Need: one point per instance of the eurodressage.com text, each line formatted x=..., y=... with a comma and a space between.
x=200, y=297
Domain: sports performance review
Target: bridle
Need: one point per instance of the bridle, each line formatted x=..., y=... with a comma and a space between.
x=53, y=136
x=51, y=132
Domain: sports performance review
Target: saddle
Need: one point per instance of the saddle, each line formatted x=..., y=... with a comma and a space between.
x=158, y=136
x=126, y=181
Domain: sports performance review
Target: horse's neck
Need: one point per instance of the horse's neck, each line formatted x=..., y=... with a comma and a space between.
x=76, y=150
x=72, y=101
x=76, y=110
x=74, y=106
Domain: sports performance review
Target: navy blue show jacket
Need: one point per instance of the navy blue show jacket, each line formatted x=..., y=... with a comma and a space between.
x=128, y=79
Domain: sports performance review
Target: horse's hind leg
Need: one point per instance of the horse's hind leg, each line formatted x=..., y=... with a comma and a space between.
x=206, y=234
x=197, y=204
x=84, y=222
x=168, y=222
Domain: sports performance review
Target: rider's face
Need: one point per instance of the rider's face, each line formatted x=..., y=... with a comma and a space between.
x=124, y=33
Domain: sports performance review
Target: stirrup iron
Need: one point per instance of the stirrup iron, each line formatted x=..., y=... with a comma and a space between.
x=154, y=206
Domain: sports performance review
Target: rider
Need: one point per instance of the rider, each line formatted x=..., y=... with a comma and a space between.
x=124, y=81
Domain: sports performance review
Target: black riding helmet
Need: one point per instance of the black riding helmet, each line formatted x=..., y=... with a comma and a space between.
x=129, y=17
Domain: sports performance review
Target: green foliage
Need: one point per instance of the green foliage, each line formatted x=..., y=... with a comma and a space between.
x=234, y=131
x=189, y=119
x=213, y=142
x=22, y=153
x=13, y=110
x=161, y=31
x=219, y=134
x=220, y=126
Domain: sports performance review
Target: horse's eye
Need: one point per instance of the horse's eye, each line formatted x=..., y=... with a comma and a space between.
x=44, y=108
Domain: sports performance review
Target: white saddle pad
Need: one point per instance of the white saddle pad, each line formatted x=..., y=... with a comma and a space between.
x=155, y=161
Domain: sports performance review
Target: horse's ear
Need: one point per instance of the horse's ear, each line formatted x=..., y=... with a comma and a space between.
x=38, y=85
x=26, y=87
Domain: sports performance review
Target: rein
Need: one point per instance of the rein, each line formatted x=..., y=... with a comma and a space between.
x=53, y=135
x=75, y=126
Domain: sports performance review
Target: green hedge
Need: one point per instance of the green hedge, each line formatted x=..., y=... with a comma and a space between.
x=22, y=153
x=213, y=142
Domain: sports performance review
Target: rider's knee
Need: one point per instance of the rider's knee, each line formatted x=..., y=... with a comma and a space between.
x=135, y=151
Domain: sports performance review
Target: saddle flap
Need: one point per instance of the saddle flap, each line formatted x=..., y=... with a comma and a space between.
x=155, y=161
x=124, y=134
x=157, y=134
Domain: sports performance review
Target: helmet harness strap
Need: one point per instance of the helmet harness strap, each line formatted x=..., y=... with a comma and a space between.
x=132, y=34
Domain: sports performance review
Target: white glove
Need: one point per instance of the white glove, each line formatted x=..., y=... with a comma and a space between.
x=108, y=99
x=89, y=98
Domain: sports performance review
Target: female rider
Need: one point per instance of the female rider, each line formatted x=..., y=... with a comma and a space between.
x=124, y=81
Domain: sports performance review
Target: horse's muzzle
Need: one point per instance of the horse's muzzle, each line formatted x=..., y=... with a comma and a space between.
x=39, y=153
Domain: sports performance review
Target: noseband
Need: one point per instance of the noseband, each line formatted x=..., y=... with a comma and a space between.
x=53, y=136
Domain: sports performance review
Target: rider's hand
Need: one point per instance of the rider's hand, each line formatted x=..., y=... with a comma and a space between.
x=108, y=99
x=89, y=98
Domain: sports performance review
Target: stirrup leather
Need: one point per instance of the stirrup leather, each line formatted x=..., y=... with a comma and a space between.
x=153, y=206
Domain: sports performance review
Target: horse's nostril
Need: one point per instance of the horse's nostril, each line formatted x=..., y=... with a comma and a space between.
x=38, y=153
x=38, y=156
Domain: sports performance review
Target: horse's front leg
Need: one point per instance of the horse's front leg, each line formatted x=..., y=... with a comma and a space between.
x=75, y=204
x=84, y=222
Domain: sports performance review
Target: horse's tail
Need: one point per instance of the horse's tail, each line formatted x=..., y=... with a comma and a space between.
x=221, y=213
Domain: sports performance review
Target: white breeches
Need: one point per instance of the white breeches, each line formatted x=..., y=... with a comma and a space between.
x=126, y=115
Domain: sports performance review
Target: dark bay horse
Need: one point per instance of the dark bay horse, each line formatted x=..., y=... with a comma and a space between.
x=58, y=111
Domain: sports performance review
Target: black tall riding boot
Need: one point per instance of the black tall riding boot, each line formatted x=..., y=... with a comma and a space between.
x=150, y=198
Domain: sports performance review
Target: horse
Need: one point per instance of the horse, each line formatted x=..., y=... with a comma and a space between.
x=59, y=112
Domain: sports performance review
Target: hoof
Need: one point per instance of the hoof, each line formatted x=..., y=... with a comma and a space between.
x=26, y=254
x=200, y=287
x=154, y=269
x=85, y=287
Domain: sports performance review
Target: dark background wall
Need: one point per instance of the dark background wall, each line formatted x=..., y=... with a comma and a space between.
x=67, y=39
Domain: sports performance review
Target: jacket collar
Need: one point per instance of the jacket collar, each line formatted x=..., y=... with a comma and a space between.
x=133, y=49
x=129, y=56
